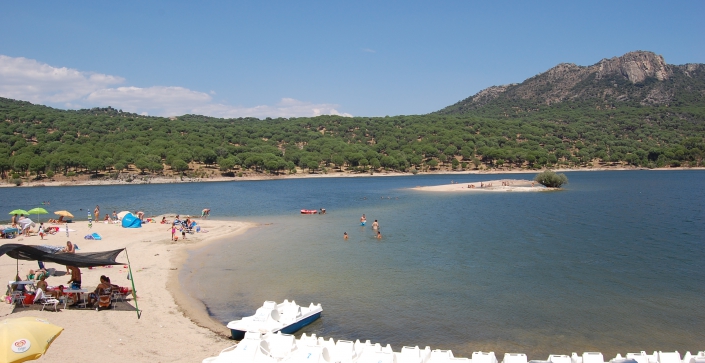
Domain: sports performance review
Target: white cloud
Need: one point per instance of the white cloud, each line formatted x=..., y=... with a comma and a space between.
x=287, y=107
x=29, y=80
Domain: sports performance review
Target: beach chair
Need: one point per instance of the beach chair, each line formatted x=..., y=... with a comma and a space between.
x=41, y=298
x=105, y=298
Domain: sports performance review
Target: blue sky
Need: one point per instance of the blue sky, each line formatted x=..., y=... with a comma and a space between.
x=303, y=58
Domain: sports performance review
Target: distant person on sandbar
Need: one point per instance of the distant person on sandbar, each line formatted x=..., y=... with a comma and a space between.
x=375, y=225
x=345, y=235
x=205, y=213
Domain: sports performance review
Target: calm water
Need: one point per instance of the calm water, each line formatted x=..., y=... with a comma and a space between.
x=614, y=263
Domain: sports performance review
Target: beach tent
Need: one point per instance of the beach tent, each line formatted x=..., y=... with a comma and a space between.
x=131, y=221
x=47, y=254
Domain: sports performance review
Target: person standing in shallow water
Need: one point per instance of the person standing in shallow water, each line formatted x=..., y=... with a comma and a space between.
x=375, y=225
x=345, y=235
x=363, y=220
x=379, y=235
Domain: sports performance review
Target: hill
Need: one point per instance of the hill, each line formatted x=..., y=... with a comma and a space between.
x=636, y=79
x=631, y=111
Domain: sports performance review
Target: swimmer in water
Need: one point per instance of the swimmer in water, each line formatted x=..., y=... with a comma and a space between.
x=345, y=235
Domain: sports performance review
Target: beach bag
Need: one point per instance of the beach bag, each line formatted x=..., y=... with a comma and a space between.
x=28, y=299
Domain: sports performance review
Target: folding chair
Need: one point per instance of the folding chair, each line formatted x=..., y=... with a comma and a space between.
x=41, y=298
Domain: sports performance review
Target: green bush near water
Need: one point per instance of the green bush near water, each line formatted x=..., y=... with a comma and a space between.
x=550, y=179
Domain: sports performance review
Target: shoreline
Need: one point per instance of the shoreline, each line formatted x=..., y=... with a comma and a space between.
x=334, y=174
x=192, y=307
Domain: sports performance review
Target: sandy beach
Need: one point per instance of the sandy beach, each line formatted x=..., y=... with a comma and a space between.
x=171, y=329
x=498, y=185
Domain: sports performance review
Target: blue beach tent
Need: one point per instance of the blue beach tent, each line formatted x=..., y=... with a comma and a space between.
x=131, y=221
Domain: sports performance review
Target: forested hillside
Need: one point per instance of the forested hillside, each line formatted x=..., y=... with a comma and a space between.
x=42, y=142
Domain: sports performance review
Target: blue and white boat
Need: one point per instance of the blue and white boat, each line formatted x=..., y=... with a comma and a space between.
x=287, y=317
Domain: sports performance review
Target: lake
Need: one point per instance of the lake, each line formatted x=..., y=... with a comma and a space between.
x=613, y=263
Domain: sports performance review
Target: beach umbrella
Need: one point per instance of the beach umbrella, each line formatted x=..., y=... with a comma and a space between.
x=63, y=213
x=26, y=338
x=37, y=211
x=19, y=211
x=122, y=214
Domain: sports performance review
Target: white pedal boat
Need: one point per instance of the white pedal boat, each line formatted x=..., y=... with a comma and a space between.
x=287, y=317
x=285, y=348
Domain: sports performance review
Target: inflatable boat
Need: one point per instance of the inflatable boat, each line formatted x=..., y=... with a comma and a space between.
x=287, y=317
x=275, y=348
x=309, y=211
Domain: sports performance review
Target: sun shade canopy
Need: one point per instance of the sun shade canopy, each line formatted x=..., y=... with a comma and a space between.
x=42, y=253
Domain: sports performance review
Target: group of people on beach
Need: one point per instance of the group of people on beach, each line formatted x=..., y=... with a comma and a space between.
x=363, y=222
x=100, y=297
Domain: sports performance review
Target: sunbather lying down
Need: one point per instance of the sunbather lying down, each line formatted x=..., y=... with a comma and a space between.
x=60, y=220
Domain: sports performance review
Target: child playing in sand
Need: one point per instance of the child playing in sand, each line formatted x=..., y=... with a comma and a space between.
x=41, y=230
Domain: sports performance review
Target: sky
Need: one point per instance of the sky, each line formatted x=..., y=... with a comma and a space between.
x=307, y=58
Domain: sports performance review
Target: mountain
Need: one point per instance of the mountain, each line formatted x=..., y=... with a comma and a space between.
x=635, y=79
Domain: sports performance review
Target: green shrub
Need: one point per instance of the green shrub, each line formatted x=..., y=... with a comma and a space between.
x=50, y=174
x=550, y=179
x=16, y=181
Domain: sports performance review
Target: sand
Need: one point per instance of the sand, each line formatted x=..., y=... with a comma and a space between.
x=499, y=185
x=172, y=328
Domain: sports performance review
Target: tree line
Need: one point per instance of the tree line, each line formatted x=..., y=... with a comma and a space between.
x=40, y=141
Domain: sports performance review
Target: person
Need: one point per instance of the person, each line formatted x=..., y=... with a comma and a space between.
x=115, y=217
x=363, y=220
x=173, y=231
x=41, y=230
x=107, y=218
x=70, y=248
x=14, y=221
x=163, y=220
x=101, y=294
x=205, y=213
x=183, y=232
x=140, y=215
x=56, y=293
x=379, y=235
x=26, y=224
x=323, y=211
x=96, y=212
x=42, y=283
x=375, y=225
x=345, y=235
x=31, y=275
x=75, y=280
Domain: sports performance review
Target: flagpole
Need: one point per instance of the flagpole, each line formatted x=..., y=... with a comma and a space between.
x=132, y=280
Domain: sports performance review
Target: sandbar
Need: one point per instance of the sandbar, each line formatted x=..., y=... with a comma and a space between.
x=499, y=185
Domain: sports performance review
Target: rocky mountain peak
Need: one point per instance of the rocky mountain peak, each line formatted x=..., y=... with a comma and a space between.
x=638, y=77
x=635, y=66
